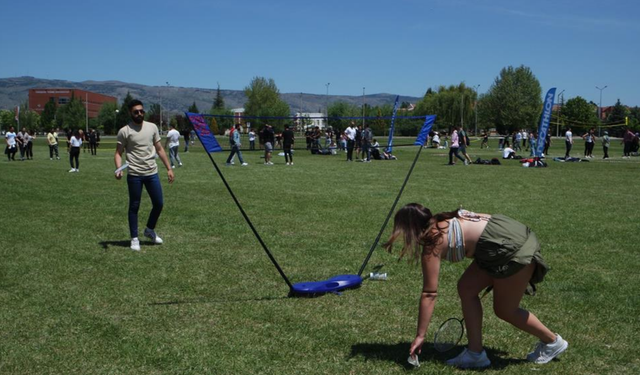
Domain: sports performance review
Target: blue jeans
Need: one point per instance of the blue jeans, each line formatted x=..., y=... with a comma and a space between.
x=154, y=189
x=173, y=155
x=235, y=150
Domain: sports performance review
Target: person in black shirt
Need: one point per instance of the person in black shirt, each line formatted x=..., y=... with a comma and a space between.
x=93, y=142
x=287, y=143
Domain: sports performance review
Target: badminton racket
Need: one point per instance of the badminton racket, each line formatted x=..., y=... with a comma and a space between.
x=450, y=332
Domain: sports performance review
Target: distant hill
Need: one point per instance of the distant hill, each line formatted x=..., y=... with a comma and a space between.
x=14, y=91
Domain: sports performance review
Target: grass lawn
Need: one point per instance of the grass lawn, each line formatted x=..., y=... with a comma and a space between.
x=75, y=300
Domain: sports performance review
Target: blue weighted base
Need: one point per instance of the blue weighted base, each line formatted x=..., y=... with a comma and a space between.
x=334, y=284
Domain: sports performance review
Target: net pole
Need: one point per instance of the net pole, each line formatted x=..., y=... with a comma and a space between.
x=393, y=207
x=246, y=218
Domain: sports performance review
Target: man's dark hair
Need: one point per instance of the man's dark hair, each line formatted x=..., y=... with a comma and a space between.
x=134, y=103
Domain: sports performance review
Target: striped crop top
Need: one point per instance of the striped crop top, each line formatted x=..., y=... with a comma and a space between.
x=456, y=251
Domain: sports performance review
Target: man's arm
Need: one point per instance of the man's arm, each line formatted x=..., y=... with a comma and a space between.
x=165, y=161
x=117, y=159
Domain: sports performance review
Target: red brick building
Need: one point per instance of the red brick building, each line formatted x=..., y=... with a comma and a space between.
x=39, y=97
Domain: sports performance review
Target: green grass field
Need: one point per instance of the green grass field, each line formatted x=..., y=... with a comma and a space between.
x=75, y=300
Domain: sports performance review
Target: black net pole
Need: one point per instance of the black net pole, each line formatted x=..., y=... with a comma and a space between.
x=393, y=207
x=246, y=218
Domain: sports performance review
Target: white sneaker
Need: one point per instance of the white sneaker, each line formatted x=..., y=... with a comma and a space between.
x=544, y=353
x=469, y=359
x=288, y=163
x=72, y=170
x=291, y=163
x=150, y=233
x=135, y=244
x=180, y=164
x=245, y=164
x=270, y=163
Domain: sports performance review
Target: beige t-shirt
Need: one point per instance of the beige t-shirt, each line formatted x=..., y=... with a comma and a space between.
x=138, y=141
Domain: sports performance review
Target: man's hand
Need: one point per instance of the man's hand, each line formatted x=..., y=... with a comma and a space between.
x=170, y=175
x=118, y=175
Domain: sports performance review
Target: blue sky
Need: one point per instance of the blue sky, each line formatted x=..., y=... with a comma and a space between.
x=399, y=47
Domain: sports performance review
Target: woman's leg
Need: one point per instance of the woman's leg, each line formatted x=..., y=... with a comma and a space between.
x=507, y=294
x=472, y=282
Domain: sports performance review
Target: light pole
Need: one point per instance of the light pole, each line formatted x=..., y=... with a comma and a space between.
x=363, y=106
x=327, y=99
x=115, y=120
x=559, y=112
x=476, y=107
x=165, y=111
x=600, y=108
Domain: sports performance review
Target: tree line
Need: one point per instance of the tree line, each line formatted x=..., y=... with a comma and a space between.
x=513, y=102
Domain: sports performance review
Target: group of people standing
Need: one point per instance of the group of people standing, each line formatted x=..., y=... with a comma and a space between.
x=360, y=140
x=22, y=140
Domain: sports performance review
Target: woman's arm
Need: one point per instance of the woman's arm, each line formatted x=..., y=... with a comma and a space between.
x=430, y=274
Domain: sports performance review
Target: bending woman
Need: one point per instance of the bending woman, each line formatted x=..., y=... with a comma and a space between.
x=506, y=255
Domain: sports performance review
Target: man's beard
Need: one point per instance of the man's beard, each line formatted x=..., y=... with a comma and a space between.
x=138, y=119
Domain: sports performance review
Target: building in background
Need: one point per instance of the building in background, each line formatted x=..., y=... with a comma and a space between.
x=38, y=98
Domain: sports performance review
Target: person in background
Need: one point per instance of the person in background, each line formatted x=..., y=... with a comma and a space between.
x=350, y=136
x=453, y=150
x=627, y=140
x=193, y=136
x=268, y=144
x=12, y=144
x=605, y=145
x=173, y=144
x=367, y=137
x=568, y=142
x=52, y=140
x=141, y=141
x=252, y=140
x=21, y=142
x=93, y=142
x=186, y=135
x=508, y=153
x=547, y=143
x=589, y=142
x=435, y=140
x=234, y=141
x=485, y=141
x=288, y=138
x=463, y=140
x=506, y=256
x=29, y=137
x=74, y=151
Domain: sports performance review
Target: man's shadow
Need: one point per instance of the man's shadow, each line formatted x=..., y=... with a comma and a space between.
x=126, y=243
x=399, y=353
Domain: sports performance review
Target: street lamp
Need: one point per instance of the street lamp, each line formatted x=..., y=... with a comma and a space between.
x=161, y=112
x=476, y=107
x=327, y=99
x=600, y=108
x=115, y=120
x=363, y=106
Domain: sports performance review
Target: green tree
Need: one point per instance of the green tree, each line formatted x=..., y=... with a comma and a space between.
x=634, y=118
x=123, y=117
x=514, y=101
x=453, y=105
x=47, y=119
x=28, y=119
x=618, y=114
x=71, y=115
x=342, y=109
x=218, y=102
x=193, y=108
x=578, y=113
x=263, y=99
x=7, y=119
x=153, y=113
x=106, y=120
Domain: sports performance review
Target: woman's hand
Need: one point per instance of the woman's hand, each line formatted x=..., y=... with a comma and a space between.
x=416, y=346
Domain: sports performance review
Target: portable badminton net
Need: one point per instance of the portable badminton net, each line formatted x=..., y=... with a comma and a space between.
x=307, y=288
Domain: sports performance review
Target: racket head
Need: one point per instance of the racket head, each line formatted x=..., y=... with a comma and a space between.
x=448, y=335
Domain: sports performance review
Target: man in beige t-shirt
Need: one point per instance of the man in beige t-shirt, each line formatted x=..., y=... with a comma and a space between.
x=52, y=139
x=141, y=141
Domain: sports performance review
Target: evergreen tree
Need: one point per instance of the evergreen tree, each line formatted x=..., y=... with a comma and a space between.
x=48, y=115
x=123, y=117
x=193, y=108
x=618, y=114
x=218, y=102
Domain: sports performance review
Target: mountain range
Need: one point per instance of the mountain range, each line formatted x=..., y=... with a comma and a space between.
x=14, y=91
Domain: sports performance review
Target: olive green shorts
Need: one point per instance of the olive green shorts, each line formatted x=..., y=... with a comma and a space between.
x=506, y=247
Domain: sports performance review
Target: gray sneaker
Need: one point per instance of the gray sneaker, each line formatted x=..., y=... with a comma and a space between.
x=135, y=244
x=544, y=353
x=469, y=359
x=150, y=233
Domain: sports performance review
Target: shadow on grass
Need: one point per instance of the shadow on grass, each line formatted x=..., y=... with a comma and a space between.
x=207, y=300
x=399, y=353
x=126, y=243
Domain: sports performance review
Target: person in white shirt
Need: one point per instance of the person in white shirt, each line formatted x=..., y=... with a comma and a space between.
x=74, y=151
x=350, y=134
x=508, y=153
x=10, y=140
x=568, y=140
x=173, y=143
x=435, y=141
x=252, y=140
